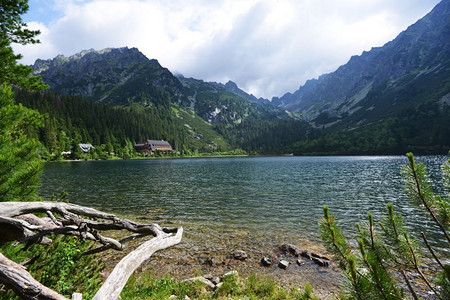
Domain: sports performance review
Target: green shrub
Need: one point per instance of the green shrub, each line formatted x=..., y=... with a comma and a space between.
x=60, y=266
x=387, y=253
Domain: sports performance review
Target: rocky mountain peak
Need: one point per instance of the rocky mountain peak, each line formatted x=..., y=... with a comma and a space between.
x=421, y=52
x=112, y=75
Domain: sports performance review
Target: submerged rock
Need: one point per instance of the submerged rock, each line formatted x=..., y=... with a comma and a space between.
x=289, y=248
x=300, y=262
x=306, y=254
x=320, y=262
x=320, y=256
x=240, y=255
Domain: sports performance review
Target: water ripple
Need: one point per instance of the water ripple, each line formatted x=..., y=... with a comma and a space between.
x=283, y=194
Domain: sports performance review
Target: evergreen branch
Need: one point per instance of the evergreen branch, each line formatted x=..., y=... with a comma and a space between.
x=431, y=249
x=371, y=269
x=413, y=293
x=391, y=256
x=347, y=260
x=416, y=264
x=391, y=218
x=372, y=241
x=332, y=233
x=371, y=231
x=421, y=195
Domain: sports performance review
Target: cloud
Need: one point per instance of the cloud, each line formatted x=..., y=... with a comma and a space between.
x=268, y=47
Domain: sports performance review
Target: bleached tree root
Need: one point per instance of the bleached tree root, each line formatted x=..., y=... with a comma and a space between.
x=18, y=223
x=116, y=281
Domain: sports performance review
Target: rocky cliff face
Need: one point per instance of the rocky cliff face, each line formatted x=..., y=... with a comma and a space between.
x=217, y=103
x=417, y=58
x=114, y=76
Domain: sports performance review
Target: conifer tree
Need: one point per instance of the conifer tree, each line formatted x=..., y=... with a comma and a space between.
x=20, y=165
x=387, y=253
x=14, y=30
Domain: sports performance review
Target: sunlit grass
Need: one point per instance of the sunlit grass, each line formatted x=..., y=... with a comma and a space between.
x=144, y=286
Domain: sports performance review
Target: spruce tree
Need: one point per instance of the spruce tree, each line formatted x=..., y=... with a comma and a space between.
x=387, y=255
x=20, y=165
x=14, y=30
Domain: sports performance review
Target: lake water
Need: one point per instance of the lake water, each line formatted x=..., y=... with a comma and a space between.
x=282, y=195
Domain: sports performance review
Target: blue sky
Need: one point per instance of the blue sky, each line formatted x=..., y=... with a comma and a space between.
x=44, y=11
x=268, y=47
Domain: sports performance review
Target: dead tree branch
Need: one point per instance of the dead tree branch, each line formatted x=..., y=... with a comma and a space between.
x=18, y=223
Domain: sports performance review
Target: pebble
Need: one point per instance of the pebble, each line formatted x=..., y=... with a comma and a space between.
x=283, y=264
x=234, y=272
x=300, y=262
x=266, y=261
x=240, y=255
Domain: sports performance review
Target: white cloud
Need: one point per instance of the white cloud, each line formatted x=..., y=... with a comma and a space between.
x=268, y=47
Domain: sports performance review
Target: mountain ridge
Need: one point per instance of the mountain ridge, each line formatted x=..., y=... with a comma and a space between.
x=421, y=49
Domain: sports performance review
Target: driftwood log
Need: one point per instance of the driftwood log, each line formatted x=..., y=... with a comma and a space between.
x=18, y=223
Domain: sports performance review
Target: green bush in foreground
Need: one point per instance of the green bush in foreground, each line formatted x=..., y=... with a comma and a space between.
x=59, y=266
x=387, y=254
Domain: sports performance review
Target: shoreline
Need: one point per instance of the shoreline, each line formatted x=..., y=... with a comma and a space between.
x=210, y=251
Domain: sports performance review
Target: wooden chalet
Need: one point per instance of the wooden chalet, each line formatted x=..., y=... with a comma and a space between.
x=151, y=146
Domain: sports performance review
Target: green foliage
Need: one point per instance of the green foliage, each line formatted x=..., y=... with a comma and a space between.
x=13, y=30
x=334, y=240
x=263, y=134
x=424, y=129
x=231, y=286
x=20, y=165
x=72, y=120
x=60, y=266
x=143, y=286
x=419, y=189
x=373, y=271
x=201, y=136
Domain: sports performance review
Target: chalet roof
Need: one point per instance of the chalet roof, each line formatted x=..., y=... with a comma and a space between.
x=159, y=143
x=153, y=145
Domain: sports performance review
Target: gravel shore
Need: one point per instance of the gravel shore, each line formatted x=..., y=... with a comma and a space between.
x=206, y=250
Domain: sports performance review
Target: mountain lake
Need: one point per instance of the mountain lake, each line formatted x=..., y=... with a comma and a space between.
x=253, y=204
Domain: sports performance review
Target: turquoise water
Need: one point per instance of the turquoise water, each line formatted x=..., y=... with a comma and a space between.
x=265, y=194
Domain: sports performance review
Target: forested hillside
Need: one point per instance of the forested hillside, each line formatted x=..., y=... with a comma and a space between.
x=423, y=129
x=71, y=120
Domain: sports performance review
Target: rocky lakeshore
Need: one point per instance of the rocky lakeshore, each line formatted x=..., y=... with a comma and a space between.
x=212, y=252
